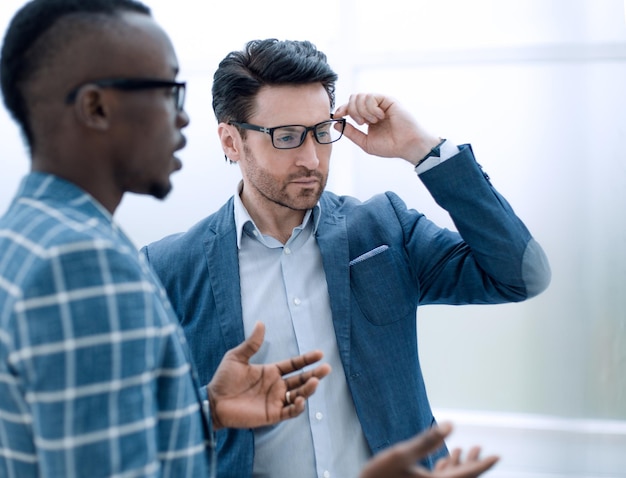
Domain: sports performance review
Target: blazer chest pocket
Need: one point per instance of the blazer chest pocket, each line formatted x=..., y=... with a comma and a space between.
x=381, y=285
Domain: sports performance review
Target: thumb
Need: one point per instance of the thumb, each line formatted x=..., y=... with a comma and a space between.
x=426, y=442
x=355, y=135
x=251, y=345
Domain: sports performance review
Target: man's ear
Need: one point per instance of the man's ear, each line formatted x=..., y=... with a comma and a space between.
x=91, y=108
x=232, y=144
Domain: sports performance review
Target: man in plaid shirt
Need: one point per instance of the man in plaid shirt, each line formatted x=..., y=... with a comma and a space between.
x=95, y=378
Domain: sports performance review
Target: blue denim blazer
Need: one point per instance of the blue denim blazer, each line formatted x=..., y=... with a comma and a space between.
x=382, y=260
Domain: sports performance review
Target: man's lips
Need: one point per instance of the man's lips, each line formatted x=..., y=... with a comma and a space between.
x=307, y=180
x=181, y=144
x=178, y=164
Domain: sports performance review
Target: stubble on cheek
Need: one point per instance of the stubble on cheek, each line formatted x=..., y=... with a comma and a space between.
x=284, y=191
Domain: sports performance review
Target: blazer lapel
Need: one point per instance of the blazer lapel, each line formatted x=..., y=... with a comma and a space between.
x=223, y=266
x=332, y=239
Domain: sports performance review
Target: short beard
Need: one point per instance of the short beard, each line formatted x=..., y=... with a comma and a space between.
x=268, y=188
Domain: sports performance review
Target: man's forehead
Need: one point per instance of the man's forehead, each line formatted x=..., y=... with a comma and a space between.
x=288, y=102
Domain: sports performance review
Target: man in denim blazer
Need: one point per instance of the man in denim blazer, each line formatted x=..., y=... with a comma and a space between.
x=322, y=269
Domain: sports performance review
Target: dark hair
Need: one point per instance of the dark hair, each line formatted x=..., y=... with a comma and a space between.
x=241, y=74
x=24, y=55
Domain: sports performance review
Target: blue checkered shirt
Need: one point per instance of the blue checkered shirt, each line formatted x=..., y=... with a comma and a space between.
x=95, y=378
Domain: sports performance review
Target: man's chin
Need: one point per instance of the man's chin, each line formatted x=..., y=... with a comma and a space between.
x=160, y=191
x=304, y=203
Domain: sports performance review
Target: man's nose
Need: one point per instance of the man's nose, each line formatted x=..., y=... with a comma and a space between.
x=307, y=152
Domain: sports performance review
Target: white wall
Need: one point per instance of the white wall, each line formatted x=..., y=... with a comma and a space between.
x=537, y=87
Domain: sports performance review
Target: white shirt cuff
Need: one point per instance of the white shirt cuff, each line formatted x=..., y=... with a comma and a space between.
x=446, y=151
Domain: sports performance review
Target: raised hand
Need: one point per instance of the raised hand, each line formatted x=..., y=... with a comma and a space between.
x=242, y=395
x=399, y=461
x=391, y=131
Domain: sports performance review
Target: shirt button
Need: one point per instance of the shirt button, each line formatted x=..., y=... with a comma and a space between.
x=297, y=301
x=319, y=415
x=326, y=474
x=287, y=251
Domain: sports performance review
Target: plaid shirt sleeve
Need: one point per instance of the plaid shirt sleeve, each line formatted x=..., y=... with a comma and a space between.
x=94, y=379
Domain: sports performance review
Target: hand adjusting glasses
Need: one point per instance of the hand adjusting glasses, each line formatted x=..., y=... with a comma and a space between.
x=134, y=84
x=293, y=135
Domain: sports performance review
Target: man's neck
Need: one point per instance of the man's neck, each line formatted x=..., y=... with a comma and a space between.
x=271, y=218
x=95, y=184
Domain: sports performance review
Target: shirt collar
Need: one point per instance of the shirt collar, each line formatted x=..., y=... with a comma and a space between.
x=40, y=186
x=242, y=217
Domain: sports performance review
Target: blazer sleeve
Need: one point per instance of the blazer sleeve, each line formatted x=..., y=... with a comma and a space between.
x=492, y=258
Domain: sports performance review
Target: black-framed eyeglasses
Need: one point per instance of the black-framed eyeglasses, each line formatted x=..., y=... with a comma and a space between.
x=293, y=135
x=132, y=84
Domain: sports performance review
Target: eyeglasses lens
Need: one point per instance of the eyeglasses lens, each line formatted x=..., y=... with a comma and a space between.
x=289, y=137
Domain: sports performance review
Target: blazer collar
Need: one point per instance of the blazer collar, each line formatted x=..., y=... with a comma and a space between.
x=223, y=266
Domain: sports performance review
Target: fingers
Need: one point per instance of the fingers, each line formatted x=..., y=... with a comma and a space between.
x=245, y=350
x=364, y=108
x=305, y=390
x=473, y=466
x=304, y=384
x=298, y=363
x=249, y=346
x=401, y=458
x=480, y=466
x=472, y=469
x=300, y=379
x=293, y=410
x=300, y=387
x=295, y=399
x=473, y=454
x=424, y=443
x=356, y=136
x=451, y=460
x=410, y=451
